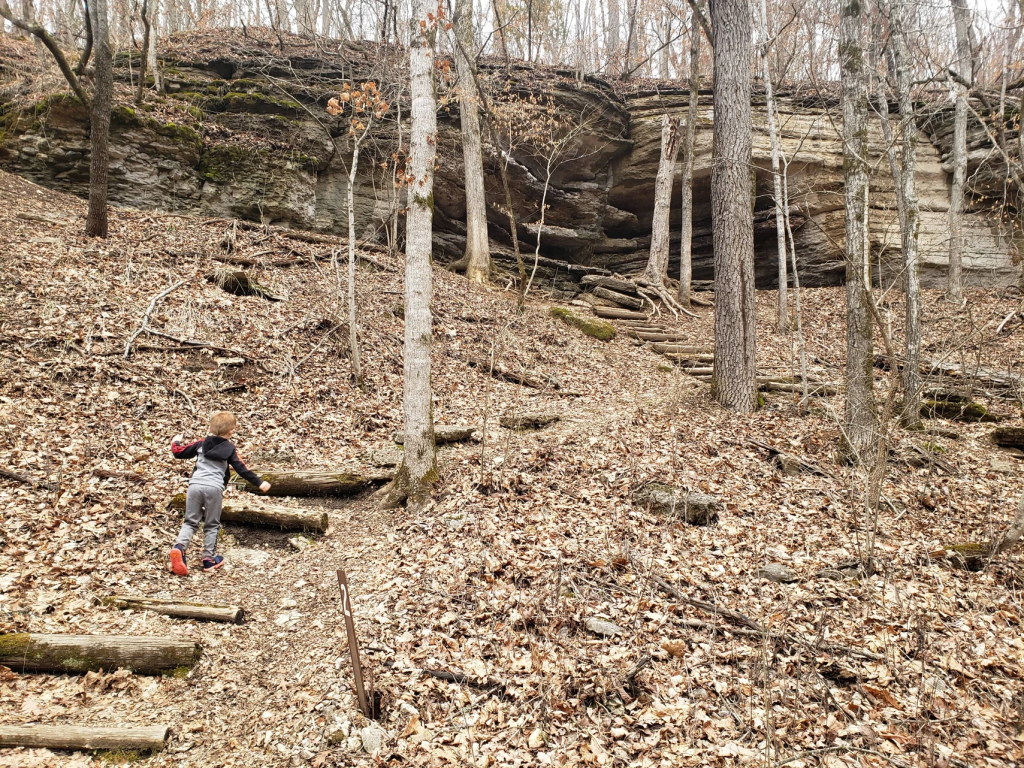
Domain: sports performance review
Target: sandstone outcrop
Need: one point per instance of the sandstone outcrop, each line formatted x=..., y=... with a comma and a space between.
x=242, y=132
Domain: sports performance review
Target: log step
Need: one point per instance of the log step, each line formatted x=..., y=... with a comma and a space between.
x=614, y=313
x=662, y=336
x=309, y=483
x=90, y=653
x=285, y=518
x=72, y=737
x=630, y=302
x=231, y=614
x=672, y=348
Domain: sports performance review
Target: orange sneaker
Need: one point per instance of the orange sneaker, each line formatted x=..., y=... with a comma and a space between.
x=178, y=567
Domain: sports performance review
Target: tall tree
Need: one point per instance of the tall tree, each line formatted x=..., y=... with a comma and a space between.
x=965, y=70
x=861, y=416
x=686, y=233
x=477, y=260
x=657, y=263
x=900, y=26
x=782, y=318
x=733, y=382
x=98, y=105
x=418, y=470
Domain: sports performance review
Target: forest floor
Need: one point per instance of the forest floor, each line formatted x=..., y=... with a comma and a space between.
x=529, y=536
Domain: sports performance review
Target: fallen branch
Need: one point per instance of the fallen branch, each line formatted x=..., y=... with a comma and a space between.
x=145, y=318
x=504, y=374
x=71, y=737
x=28, y=481
x=230, y=614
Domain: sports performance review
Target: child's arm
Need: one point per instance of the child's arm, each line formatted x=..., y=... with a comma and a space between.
x=181, y=451
x=247, y=474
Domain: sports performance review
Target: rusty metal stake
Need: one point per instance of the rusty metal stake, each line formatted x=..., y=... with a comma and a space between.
x=353, y=648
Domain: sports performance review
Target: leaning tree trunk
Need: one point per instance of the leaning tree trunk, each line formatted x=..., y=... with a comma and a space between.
x=657, y=264
x=99, y=122
x=686, y=232
x=961, y=23
x=900, y=27
x=353, y=320
x=478, y=252
x=861, y=418
x=418, y=470
x=782, y=320
x=734, y=383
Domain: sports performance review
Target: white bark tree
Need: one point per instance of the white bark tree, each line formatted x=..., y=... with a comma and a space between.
x=657, y=264
x=418, y=470
x=686, y=232
x=477, y=260
x=962, y=26
x=782, y=319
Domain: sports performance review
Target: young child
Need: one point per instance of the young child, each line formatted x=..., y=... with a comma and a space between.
x=213, y=456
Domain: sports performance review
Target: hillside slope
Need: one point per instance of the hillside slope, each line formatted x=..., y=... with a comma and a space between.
x=530, y=535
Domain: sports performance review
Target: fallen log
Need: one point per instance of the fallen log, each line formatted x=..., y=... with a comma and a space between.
x=230, y=614
x=686, y=349
x=89, y=653
x=444, y=433
x=309, y=483
x=694, y=371
x=974, y=556
x=1009, y=437
x=684, y=358
x=72, y=737
x=238, y=282
x=956, y=411
x=504, y=374
x=820, y=390
x=611, y=283
x=614, y=313
x=659, y=336
x=285, y=518
x=528, y=420
x=630, y=302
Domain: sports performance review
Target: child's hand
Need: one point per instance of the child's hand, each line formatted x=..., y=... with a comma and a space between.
x=264, y=486
x=178, y=439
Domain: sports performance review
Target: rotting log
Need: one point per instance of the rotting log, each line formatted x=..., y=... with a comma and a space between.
x=444, y=433
x=974, y=556
x=957, y=411
x=309, y=483
x=73, y=737
x=89, y=653
x=597, y=329
x=240, y=283
x=818, y=390
x=499, y=372
x=230, y=614
x=1009, y=437
x=683, y=358
x=528, y=420
x=610, y=283
x=614, y=313
x=629, y=302
x=270, y=516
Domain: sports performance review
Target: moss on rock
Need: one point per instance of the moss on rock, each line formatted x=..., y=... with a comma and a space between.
x=597, y=329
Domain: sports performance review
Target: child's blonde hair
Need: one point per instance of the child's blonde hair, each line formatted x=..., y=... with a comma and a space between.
x=223, y=422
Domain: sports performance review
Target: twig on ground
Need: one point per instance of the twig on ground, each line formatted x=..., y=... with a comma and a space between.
x=28, y=481
x=145, y=318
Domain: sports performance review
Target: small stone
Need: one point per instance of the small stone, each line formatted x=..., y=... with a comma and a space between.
x=372, y=737
x=605, y=628
x=537, y=739
x=778, y=573
x=229, y=361
x=423, y=734
x=299, y=542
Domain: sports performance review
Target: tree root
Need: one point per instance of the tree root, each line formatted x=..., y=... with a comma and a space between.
x=657, y=287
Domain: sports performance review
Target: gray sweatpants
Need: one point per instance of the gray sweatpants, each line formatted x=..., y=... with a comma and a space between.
x=198, y=499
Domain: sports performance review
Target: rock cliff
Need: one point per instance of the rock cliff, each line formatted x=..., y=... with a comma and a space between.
x=243, y=132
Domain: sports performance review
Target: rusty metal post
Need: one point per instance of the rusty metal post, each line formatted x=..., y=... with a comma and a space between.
x=353, y=647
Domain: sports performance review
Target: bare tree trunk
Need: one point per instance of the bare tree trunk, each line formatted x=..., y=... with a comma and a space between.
x=353, y=327
x=666, y=37
x=899, y=30
x=961, y=22
x=144, y=58
x=99, y=122
x=657, y=264
x=780, y=223
x=686, y=233
x=478, y=251
x=734, y=381
x=419, y=464
x=613, y=35
x=861, y=417
x=154, y=33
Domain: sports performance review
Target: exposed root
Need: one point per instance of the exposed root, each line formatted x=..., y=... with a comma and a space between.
x=659, y=290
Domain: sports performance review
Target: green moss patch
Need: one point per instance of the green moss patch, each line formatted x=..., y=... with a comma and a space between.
x=596, y=329
x=957, y=411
